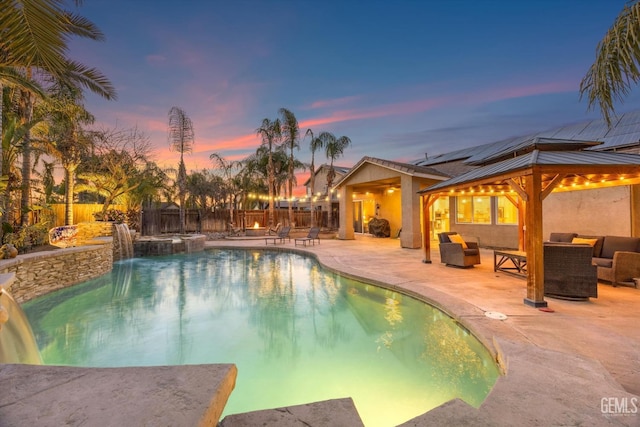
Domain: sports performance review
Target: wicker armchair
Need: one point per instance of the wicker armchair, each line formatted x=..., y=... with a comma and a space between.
x=454, y=255
x=569, y=272
x=624, y=268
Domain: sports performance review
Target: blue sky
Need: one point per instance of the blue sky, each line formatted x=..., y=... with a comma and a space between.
x=400, y=78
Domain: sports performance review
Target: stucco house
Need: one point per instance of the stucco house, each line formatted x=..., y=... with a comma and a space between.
x=322, y=194
x=492, y=219
x=376, y=188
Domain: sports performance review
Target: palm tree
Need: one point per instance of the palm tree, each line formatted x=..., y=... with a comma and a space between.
x=13, y=134
x=270, y=131
x=254, y=175
x=201, y=186
x=227, y=175
x=10, y=77
x=314, y=145
x=66, y=140
x=153, y=180
x=181, y=138
x=34, y=41
x=290, y=136
x=616, y=68
x=334, y=148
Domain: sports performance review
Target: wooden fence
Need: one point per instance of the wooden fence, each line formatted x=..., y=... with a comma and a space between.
x=81, y=212
x=160, y=221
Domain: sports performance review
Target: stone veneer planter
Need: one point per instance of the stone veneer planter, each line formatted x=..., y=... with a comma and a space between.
x=39, y=273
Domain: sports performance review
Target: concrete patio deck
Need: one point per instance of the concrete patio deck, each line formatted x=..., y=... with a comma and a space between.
x=576, y=365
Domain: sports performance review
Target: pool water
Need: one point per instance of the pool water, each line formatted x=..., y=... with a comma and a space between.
x=297, y=333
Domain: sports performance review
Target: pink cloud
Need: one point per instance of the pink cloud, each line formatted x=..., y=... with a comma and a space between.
x=421, y=105
x=399, y=108
x=329, y=103
x=243, y=142
x=513, y=92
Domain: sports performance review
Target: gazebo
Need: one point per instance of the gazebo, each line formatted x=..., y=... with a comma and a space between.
x=526, y=180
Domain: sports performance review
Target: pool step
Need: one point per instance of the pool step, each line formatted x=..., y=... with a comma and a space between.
x=329, y=413
x=189, y=395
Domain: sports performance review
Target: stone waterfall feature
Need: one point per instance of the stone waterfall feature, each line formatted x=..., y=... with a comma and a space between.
x=17, y=343
x=122, y=242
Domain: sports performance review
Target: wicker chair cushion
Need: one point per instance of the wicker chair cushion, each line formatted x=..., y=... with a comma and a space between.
x=603, y=262
x=469, y=252
x=613, y=244
x=444, y=237
x=562, y=237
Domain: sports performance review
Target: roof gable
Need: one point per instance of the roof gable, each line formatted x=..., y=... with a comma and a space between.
x=340, y=170
x=402, y=168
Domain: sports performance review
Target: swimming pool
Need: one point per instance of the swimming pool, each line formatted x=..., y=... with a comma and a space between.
x=297, y=333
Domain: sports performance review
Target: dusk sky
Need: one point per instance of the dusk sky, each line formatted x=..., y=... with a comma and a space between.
x=400, y=78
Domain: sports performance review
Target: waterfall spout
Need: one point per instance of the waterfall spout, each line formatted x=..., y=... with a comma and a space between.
x=122, y=242
x=17, y=343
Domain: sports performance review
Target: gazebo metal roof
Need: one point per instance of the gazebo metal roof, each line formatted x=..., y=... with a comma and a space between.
x=586, y=169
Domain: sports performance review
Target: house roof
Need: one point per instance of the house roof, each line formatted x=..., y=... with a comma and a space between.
x=520, y=146
x=582, y=168
x=589, y=135
x=341, y=170
x=404, y=168
x=168, y=205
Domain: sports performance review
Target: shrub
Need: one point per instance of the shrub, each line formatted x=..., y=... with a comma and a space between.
x=28, y=237
x=133, y=218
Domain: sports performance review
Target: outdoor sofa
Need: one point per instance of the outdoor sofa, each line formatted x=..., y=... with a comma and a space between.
x=617, y=258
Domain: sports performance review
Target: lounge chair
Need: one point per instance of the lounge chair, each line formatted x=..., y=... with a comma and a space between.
x=282, y=234
x=274, y=230
x=233, y=231
x=311, y=237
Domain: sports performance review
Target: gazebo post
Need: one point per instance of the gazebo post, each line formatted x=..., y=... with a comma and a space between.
x=522, y=221
x=534, y=245
x=426, y=229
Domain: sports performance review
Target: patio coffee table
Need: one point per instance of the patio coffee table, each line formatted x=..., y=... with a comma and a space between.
x=511, y=262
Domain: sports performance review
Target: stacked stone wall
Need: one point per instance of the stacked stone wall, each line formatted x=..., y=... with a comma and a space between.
x=42, y=272
x=90, y=230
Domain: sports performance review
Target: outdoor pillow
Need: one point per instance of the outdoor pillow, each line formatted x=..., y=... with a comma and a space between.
x=456, y=238
x=583, y=241
x=597, y=248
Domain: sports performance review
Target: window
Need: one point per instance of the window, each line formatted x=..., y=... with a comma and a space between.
x=473, y=209
x=507, y=211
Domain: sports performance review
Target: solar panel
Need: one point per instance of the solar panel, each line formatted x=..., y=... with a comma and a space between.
x=596, y=129
x=568, y=132
x=624, y=131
